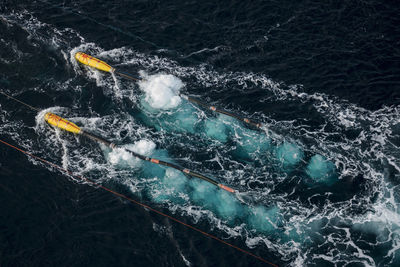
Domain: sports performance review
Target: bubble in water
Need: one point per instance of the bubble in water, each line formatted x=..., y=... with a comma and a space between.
x=175, y=180
x=304, y=232
x=164, y=184
x=203, y=193
x=161, y=91
x=147, y=107
x=224, y=204
x=263, y=219
x=321, y=170
x=181, y=119
x=289, y=154
x=228, y=207
x=153, y=170
x=123, y=159
x=216, y=129
x=170, y=188
x=250, y=142
x=184, y=119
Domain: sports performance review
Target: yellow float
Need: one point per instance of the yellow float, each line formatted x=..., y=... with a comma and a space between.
x=61, y=123
x=93, y=62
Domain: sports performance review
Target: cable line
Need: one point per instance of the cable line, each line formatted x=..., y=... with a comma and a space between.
x=147, y=207
x=103, y=66
x=68, y=126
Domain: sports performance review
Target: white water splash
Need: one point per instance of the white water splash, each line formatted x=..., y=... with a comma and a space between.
x=161, y=90
x=364, y=154
x=120, y=156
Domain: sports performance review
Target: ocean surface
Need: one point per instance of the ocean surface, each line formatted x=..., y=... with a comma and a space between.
x=318, y=185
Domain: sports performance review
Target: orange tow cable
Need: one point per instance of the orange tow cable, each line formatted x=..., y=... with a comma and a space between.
x=137, y=203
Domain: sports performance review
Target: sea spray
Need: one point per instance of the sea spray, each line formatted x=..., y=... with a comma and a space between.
x=122, y=158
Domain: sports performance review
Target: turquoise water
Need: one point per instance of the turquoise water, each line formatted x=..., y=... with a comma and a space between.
x=318, y=186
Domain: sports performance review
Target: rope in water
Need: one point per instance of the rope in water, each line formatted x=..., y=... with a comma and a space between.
x=84, y=179
x=258, y=125
x=99, y=139
x=227, y=113
x=66, y=125
x=103, y=66
x=19, y=101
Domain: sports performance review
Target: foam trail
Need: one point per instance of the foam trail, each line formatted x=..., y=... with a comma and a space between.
x=164, y=184
x=65, y=161
x=162, y=94
x=228, y=207
x=201, y=191
x=365, y=150
x=185, y=118
x=165, y=110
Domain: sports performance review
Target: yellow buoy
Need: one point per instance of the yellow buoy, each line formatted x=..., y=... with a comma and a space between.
x=93, y=62
x=61, y=123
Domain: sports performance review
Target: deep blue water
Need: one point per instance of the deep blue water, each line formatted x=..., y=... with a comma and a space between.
x=320, y=183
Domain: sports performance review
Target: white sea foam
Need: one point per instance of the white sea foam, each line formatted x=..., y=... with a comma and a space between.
x=374, y=131
x=366, y=155
x=162, y=90
x=121, y=157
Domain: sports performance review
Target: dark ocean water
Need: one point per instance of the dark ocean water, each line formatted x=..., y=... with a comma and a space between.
x=322, y=76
